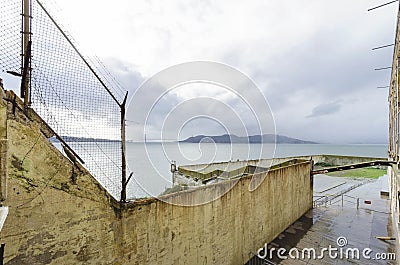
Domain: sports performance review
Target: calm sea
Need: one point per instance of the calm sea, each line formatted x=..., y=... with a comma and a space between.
x=150, y=162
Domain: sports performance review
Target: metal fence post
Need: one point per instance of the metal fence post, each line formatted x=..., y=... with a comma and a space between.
x=26, y=52
x=123, y=147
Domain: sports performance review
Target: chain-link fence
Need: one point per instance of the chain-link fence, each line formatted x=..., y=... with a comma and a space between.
x=67, y=91
x=10, y=36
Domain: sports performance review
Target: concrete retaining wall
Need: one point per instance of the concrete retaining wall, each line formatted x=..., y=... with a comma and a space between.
x=234, y=168
x=228, y=230
x=57, y=213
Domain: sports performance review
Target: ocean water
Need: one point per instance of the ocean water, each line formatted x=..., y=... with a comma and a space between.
x=150, y=162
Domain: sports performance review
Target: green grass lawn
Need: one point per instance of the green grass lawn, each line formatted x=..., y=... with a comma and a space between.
x=360, y=173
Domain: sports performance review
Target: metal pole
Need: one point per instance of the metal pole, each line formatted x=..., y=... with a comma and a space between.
x=26, y=39
x=25, y=78
x=123, y=148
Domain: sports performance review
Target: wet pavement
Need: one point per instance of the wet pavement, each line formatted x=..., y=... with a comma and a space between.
x=327, y=185
x=341, y=233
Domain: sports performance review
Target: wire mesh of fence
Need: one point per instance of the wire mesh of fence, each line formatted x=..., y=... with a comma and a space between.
x=10, y=36
x=67, y=91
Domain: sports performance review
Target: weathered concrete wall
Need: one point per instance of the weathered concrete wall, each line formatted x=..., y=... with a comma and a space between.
x=344, y=160
x=228, y=230
x=54, y=216
x=59, y=214
x=3, y=148
x=204, y=171
x=337, y=160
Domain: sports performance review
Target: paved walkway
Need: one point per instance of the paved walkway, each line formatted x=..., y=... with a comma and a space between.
x=321, y=227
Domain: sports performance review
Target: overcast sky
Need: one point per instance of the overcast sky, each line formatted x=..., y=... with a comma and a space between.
x=312, y=59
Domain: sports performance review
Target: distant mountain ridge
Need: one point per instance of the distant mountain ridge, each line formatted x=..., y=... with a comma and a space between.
x=80, y=139
x=255, y=139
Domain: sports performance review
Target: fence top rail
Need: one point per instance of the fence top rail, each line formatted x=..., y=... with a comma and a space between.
x=353, y=166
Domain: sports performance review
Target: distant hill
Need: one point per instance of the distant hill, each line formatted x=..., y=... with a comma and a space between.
x=80, y=139
x=256, y=139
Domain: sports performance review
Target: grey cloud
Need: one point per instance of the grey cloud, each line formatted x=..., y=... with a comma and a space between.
x=303, y=76
x=335, y=61
x=325, y=109
x=125, y=73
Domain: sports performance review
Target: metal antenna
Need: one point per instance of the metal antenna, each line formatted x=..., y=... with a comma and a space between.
x=381, y=47
x=382, y=5
x=383, y=68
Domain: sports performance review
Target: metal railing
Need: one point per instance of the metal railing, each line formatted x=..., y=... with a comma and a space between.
x=326, y=200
